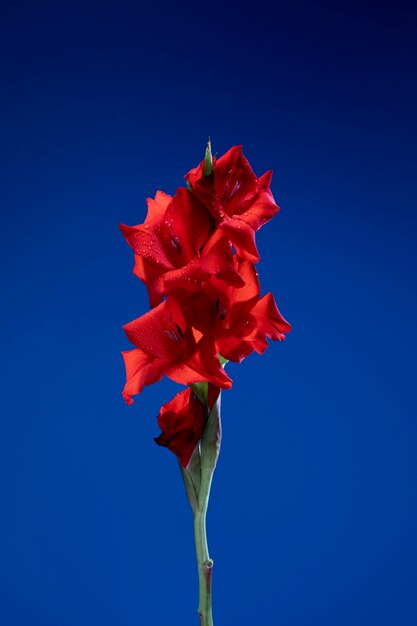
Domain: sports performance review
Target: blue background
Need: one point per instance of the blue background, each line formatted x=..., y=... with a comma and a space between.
x=314, y=506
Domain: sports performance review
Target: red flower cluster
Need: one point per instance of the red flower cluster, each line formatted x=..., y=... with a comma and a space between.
x=195, y=252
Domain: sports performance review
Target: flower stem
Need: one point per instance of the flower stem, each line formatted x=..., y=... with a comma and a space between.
x=204, y=563
x=197, y=478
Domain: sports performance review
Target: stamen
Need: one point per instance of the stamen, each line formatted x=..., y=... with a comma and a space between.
x=176, y=244
x=173, y=335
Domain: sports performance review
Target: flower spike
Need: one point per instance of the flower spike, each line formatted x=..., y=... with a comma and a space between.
x=195, y=252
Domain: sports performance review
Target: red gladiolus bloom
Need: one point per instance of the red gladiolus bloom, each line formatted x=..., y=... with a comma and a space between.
x=166, y=344
x=239, y=201
x=195, y=252
x=238, y=321
x=175, y=246
x=182, y=422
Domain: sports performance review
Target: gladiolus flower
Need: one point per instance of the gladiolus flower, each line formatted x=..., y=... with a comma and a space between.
x=238, y=201
x=182, y=422
x=195, y=252
x=166, y=344
x=237, y=319
x=175, y=246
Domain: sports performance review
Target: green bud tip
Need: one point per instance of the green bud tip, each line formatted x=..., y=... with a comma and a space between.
x=208, y=159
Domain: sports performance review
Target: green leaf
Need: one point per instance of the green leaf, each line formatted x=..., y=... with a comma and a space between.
x=194, y=468
x=211, y=440
x=190, y=489
x=222, y=360
x=201, y=391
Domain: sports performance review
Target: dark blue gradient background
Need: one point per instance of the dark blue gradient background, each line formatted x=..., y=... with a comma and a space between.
x=313, y=514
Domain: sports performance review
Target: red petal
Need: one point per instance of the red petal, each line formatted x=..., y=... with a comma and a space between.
x=157, y=208
x=202, y=365
x=143, y=238
x=217, y=260
x=141, y=369
x=263, y=207
x=187, y=278
x=160, y=332
x=242, y=236
x=236, y=184
x=151, y=276
x=196, y=175
x=234, y=348
x=146, y=243
x=249, y=292
x=212, y=395
x=189, y=223
x=182, y=421
x=270, y=323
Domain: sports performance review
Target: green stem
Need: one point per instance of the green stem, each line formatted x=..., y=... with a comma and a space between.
x=210, y=448
x=204, y=562
x=197, y=478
